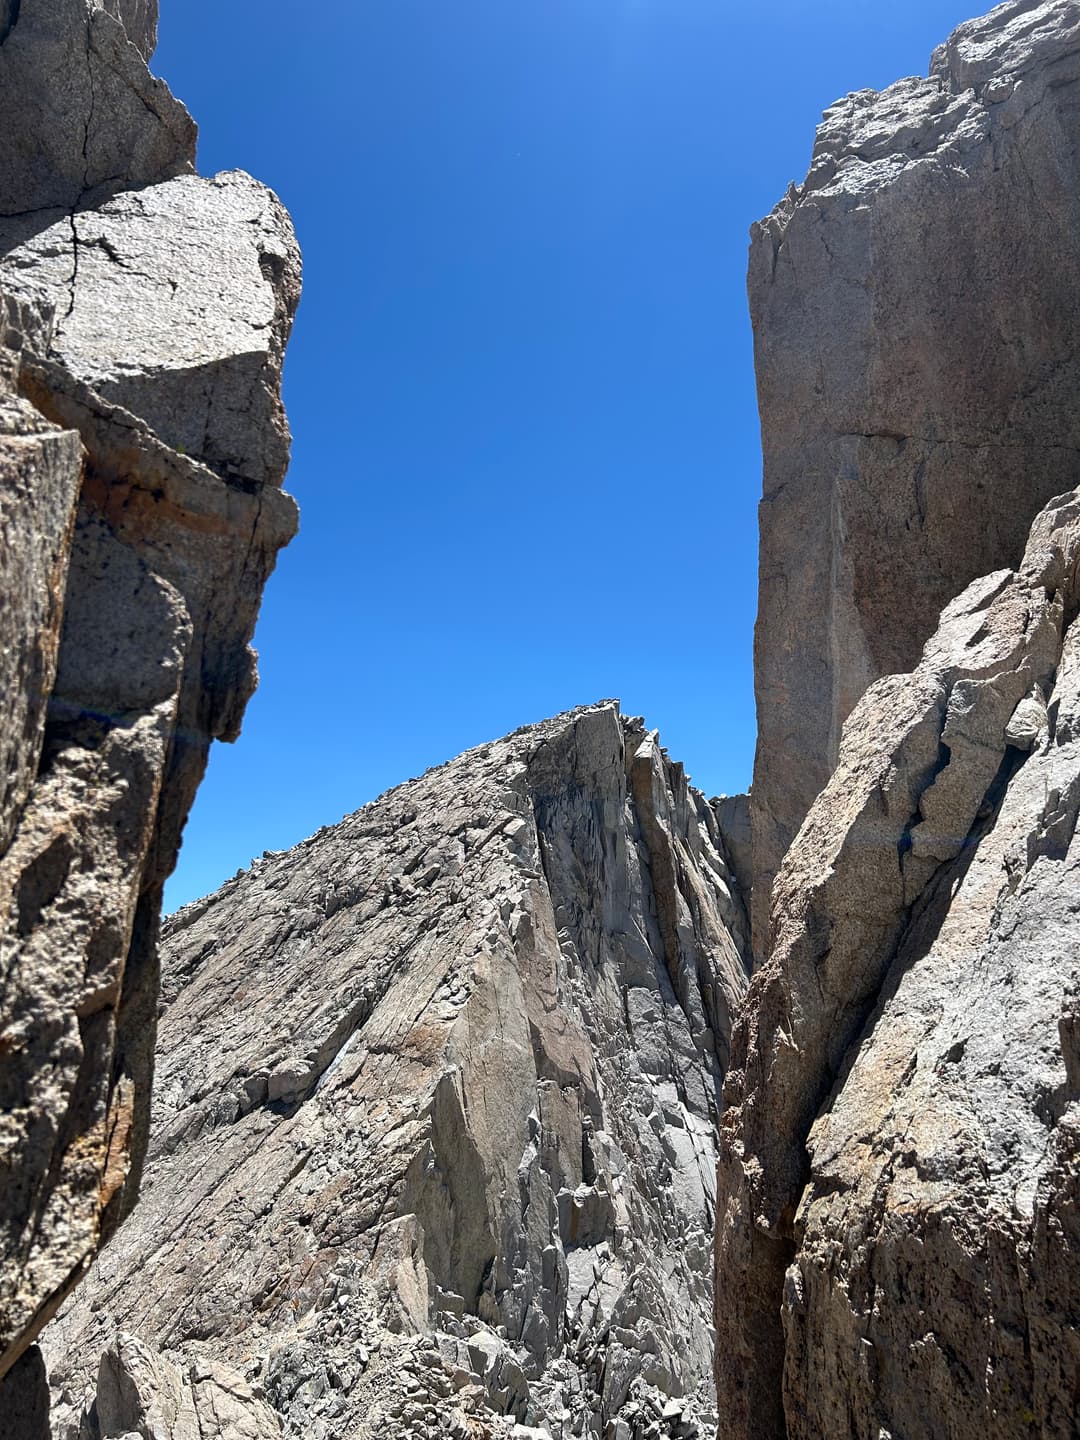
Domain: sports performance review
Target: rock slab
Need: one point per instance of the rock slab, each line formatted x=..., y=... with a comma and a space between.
x=435, y=1110
x=897, y=1194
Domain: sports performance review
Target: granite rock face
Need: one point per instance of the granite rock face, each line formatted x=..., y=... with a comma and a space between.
x=898, y=1224
x=897, y=1212
x=433, y=1144
x=915, y=307
x=132, y=566
x=207, y=276
x=81, y=115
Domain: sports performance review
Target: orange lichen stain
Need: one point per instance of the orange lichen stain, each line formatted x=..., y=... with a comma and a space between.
x=119, y=1123
x=425, y=1042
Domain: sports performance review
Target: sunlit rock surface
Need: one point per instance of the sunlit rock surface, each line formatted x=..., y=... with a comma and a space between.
x=140, y=519
x=435, y=1107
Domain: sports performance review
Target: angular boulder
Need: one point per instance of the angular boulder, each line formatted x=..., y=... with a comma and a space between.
x=206, y=274
x=897, y=1200
x=80, y=113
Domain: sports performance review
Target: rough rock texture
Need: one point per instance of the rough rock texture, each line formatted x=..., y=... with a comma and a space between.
x=435, y=1111
x=131, y=574
x=899, y=1155
x=915, y=306
x=206, y=275
x=81, y=115
x=140, y=1393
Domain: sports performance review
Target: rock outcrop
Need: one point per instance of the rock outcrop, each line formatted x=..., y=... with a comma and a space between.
x=451, y=1098
x=898, y=1225
x=433, y=1150
x=898, y=1217
x=142, y=444
x=915, y=308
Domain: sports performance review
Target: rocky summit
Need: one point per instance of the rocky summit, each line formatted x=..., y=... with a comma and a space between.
x=544, y=1097
x=435, y=1116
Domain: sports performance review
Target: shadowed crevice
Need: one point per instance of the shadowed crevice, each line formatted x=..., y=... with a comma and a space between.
x=9, y=17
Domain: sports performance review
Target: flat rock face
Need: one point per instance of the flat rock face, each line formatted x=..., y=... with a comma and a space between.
x=915, y=311
x=435, y=1109
x=897, y=1211
x=138, y=528
x=206, y=274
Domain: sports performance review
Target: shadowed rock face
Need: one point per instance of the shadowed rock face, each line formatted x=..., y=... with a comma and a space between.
x=132, y=563
x=435, y=1109
x=915, y=309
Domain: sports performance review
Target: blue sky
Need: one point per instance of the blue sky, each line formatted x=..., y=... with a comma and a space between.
x=520, y=385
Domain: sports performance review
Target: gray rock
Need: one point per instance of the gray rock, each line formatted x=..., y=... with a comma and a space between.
x=445, y=1075
x=164, y=566
x=733, y=818
x=146, y=1395
x=206, y=274
x=915, y=307
x=139, y=19
x=40, y=474
x=131, y=575
x=110, y=125
x=26, y=1398
x=901, y=1119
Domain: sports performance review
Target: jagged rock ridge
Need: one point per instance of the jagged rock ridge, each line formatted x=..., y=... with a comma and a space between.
x=435, y=1112
x=142, y=444
x=432, y=1140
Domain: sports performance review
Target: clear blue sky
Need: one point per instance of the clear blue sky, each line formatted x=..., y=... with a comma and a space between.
x=520, y=385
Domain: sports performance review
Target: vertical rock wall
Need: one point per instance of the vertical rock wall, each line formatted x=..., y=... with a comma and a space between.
x=142, y=444
x=897, y=1200
x=915, y=314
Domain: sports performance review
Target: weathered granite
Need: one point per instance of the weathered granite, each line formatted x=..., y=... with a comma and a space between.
x=131, y=575
x=206, y=274
x=898, y=1155
x=143, y=1394
x=915, y=309
x=435, y=1109
x=81, y=115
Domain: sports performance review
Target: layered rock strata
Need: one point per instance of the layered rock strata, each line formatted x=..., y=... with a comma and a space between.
x=433, y=1149
x=142, y=444
x=898, y=1244
x=915, y=314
